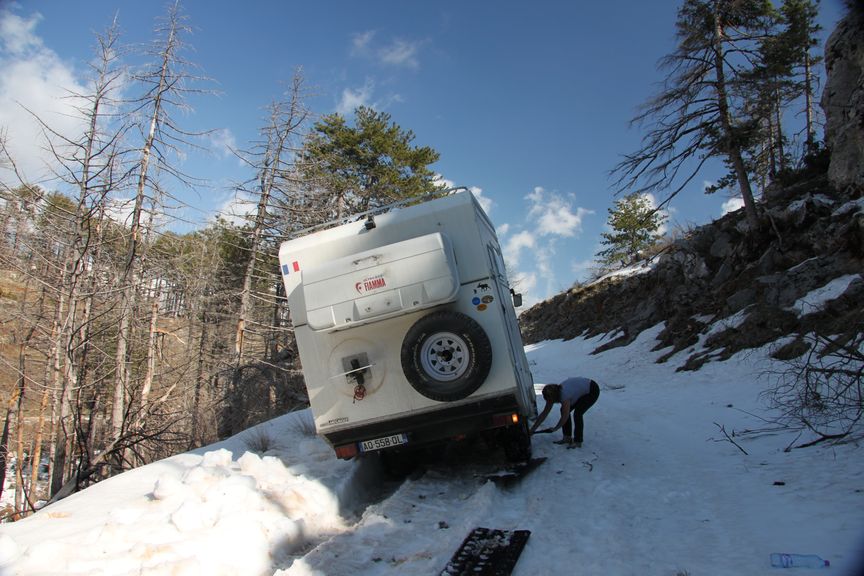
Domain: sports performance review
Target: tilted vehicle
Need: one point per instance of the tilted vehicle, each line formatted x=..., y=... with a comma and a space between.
x=407, y=331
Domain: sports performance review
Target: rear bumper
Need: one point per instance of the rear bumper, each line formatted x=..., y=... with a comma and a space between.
x=434, y=426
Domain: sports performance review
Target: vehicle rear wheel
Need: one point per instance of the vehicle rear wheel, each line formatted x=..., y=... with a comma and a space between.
x=517, y=443
x=446, y=356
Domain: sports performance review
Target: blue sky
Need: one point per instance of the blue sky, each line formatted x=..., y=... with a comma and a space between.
x=527, y=103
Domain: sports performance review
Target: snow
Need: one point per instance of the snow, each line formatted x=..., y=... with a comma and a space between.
x=728, y=323
x=816, y=299
x=656, y=489
x=856, y=206
x=642, y=267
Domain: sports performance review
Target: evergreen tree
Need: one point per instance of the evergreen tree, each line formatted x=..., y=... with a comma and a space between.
x=635, y=225
x=799, y=18
x=370, y=164
x=782, y=78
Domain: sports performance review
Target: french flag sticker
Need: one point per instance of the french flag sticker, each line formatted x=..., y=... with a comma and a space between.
x=286, y=269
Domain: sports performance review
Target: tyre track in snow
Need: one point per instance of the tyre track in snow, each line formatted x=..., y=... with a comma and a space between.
x=428, y=515
x=600, y=486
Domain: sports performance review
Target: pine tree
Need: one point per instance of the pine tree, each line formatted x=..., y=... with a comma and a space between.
x=799, y=17
x=370, y=164
x=782, y=78
x=635, y=225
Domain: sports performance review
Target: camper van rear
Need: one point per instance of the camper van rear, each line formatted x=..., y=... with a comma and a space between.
x=407, y=331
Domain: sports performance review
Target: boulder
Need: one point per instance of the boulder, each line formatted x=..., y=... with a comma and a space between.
x=843, y=100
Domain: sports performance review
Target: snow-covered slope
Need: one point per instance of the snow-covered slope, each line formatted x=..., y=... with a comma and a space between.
x=656, y=489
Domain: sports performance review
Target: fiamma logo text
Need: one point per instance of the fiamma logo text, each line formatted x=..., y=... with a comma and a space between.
x=371, y=283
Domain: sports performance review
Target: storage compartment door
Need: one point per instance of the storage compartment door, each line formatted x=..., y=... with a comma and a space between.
x=380, y=283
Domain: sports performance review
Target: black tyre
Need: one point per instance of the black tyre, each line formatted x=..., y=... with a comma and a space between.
x=446, y=356
x=517, y=443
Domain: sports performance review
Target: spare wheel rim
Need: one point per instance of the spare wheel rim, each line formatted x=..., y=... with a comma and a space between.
x=445, y=356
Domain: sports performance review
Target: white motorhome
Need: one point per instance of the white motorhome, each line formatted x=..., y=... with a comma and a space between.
x=406, y=329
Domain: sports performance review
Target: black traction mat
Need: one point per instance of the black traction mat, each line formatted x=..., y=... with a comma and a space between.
x=512, y=474
x=487, y=552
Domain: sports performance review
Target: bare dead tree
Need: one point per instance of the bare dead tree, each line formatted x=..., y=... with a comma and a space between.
x=823, y=391
x=272, y=160
x=167, y=83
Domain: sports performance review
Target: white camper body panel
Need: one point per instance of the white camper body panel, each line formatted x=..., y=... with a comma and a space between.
x=354, y=293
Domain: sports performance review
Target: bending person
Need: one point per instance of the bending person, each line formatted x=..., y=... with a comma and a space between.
x=576, y=395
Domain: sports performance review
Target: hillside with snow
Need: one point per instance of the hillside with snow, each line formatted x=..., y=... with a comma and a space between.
x=661, y=486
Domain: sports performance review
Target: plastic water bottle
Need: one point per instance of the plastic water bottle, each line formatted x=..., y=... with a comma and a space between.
x=798, y=561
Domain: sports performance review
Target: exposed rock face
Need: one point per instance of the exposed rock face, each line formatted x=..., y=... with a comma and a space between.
x=843, y=99
x=751, y=279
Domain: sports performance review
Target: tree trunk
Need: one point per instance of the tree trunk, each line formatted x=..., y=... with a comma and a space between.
x=772, y=149
x=151, y=351
x=19, y=424
x=195, y=433
x=37, y=444
x=732, y=147
x=808, y=98
x=781, y=152
x=4, y=438
x=59, y=411
x=129, y=299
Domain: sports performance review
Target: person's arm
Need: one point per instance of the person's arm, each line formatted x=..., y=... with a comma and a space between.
x=541, y=417
x=565, y=415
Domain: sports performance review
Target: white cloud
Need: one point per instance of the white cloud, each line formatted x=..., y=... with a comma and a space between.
x=238, y=208
x=551, y=219
x=514, y=246
x=36, y=77
x=120, y=210
x=554, y=214
x=360, y=42
x=18, y=34
x=732, y=204
x=354, y=98
x=223, y=142
x=399, y=53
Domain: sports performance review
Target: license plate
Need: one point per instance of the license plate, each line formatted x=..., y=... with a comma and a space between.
x=381, y=443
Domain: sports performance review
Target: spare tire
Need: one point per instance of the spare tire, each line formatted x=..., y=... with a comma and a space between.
x=446, y=356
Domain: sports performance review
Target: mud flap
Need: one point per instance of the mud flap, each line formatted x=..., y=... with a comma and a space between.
x=487, y=552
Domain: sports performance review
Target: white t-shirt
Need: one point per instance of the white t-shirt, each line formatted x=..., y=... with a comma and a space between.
x=574, y=388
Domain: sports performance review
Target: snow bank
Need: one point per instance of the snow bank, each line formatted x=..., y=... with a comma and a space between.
x=207, y=513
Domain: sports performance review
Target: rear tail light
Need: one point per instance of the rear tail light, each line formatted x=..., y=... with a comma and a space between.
x=346, y=452
x=499, y=420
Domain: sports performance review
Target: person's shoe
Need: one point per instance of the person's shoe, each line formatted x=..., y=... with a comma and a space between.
x=565, y=441
x=574, y=445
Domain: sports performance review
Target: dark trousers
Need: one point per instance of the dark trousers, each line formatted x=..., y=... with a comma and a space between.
x=578, y=411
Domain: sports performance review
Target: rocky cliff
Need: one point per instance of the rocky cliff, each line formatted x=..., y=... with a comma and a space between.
x=843, y=99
